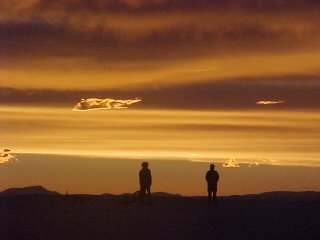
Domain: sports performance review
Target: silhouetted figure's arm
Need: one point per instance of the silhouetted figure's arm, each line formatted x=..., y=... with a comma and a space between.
x=141, y=177
x=217, y=176
x=150, y=178
x=207, y=176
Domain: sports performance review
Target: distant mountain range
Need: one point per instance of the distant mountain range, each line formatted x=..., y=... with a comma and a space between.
x=277, y=195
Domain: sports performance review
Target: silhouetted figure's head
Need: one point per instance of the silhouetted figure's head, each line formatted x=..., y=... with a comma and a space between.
x=144, y=165
x=212, y=167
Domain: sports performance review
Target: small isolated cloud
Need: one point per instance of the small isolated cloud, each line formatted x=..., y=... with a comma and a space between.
x=254, y=164
x=231, y=163
x=261, y=161
x=265, y=102
x=6, y=157
x=107, y=103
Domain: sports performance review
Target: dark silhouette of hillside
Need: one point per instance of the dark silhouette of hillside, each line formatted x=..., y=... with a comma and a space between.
x=107, y=216
x=32, y=190
x=154, y=194
x=276, y=195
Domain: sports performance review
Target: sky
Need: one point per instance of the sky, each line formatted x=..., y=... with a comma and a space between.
x=159, y=46
x=191, y=80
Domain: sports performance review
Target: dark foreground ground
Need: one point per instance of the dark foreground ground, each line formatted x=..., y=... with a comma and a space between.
x=105, y=217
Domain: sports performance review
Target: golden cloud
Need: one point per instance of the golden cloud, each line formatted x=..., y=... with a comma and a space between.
x=5, y=156
x=100, y=104
x=231, y=163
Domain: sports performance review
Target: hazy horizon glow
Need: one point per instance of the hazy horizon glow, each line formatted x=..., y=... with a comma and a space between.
x=278, y=137
x=89, y=152
x=97, y=175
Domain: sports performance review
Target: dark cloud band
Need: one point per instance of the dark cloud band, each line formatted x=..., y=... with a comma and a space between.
x=296, y=92
x=96, y=29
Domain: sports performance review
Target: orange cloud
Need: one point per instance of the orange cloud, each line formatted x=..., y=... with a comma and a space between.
x=6, y=157
x=231, y=163
x=100, y=104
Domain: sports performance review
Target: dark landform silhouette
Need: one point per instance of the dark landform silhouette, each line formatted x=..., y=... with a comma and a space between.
x=155, y=194
x=37, y=213
x=32, y=190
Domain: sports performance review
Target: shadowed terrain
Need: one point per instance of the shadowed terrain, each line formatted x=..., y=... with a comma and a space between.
x=44, y=216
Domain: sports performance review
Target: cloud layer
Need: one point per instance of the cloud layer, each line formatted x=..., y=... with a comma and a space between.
x=124, y=28
x=135, y=44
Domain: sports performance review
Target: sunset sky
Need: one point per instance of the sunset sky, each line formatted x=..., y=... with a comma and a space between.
x=199, y=67
x=140, y=45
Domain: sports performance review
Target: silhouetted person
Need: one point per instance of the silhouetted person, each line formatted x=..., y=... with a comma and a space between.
x=212, y=178
x=145, y=180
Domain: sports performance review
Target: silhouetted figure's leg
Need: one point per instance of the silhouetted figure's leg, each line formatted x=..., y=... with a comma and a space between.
x=142, y=194
x=209, y=196
x=148, y=192
x=214, y=197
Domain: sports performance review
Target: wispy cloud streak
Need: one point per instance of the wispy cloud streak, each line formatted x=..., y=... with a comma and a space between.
x=100, y=104
x=269, y=102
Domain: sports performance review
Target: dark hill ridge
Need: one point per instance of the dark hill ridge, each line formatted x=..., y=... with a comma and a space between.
x=280, y=195
x=154, y=194
x=32, y=190
x=276, y=195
